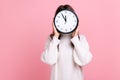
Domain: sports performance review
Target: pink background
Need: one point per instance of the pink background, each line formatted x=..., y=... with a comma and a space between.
x=26, y=24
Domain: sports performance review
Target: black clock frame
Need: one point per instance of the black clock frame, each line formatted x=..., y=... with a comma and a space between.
x=70, y=31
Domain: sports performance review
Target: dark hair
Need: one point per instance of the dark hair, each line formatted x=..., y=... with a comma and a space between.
x=64, y=7
x=60, y=8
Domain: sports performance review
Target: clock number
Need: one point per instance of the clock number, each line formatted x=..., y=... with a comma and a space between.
x=58, y=16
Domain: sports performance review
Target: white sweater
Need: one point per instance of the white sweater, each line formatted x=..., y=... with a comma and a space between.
x=67, y=61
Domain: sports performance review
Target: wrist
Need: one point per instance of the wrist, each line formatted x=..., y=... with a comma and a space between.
x=56, y=35
x=74, y=35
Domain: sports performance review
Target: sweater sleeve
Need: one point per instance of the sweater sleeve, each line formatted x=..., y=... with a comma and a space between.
x=81, y=54
x=50, y=53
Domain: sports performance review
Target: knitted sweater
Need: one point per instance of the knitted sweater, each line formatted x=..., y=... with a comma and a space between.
x=67, y=60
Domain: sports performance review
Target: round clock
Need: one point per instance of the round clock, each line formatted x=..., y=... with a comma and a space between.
x=66, y=21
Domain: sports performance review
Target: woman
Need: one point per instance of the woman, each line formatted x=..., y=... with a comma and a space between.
x=66, y=53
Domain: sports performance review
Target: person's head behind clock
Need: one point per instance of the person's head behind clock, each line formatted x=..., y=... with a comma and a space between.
x=64, y=7
x=60, y=8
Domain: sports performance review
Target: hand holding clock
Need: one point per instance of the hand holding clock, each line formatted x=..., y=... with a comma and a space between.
x=56, y=33
x=76, y=32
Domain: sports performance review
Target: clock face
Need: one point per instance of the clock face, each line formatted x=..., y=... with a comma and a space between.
x=66, y=21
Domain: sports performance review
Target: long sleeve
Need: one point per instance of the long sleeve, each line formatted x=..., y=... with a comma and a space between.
x=50, y=53
x=82, y=54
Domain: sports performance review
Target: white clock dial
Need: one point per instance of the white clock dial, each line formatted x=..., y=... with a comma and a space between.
x=66, y=21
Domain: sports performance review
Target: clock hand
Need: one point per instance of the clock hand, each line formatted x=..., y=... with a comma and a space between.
x=63, y=17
